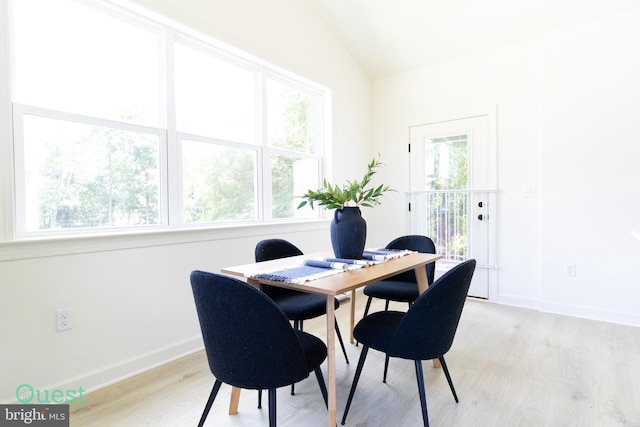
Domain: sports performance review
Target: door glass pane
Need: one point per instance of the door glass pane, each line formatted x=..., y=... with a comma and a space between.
x=219, y=183
x=214, y=98
x=291, y=118
x=446, y=163
x=446, y=166
x=291, y=177
x=72, y=58
x=83, y=176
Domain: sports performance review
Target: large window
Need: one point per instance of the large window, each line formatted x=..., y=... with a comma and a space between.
x=120, y=122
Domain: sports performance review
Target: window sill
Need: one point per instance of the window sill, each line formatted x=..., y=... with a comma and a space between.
x=57, y=245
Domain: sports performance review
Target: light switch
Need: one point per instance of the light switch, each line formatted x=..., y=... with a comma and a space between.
x=529, y=191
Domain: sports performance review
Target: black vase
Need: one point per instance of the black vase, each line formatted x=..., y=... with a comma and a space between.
x=348, y=233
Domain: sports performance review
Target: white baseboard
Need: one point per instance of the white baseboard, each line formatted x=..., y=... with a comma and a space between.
x=123, y=370
x=517, y=301
x=127, y=369
x=592, y=313
x=631, y=319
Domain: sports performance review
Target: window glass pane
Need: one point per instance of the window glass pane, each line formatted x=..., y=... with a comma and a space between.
x=72, y=58
x=214, y=98
x=292, y=177
x=446, y=163
x=79, y=176
x=291, y=118
x=219, y=183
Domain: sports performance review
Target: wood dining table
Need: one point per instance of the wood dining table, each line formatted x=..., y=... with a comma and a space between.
x=332, y=286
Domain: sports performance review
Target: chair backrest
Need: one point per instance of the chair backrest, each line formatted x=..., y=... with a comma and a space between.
x=416, y=243
x=269, y=249
x=248, y=340
x=428, y=328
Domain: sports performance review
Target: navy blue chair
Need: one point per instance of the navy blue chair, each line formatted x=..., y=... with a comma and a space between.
x=402, y=287
x=298, y=306
x=426, y=331
x=249, y=341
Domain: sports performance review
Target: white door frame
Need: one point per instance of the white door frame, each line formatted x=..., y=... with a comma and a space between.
x=483, y=182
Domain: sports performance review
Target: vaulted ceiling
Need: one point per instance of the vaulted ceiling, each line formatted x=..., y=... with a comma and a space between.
x=392, y=36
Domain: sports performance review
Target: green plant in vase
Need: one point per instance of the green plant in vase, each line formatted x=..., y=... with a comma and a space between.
x=348, y=228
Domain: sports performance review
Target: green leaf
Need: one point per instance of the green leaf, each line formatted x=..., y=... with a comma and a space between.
x=334, y=196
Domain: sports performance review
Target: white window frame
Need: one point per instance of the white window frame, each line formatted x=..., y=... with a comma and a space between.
x=20, y=110
x=170, y=203
x=267, y=151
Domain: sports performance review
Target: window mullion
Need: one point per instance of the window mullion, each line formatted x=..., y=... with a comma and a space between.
x=264, y=186
x=173, y=192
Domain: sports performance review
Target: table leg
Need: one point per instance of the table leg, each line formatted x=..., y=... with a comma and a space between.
x=235, y=391
x=353, y=315
x=423, y=284
x=331, y=361
x=421, y=277
x=235, y=399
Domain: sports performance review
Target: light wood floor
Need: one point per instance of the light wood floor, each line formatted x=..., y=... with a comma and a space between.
x=510, y=366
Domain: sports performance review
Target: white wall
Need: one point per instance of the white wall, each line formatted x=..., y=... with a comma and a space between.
x=568, y=105
x=130, y=295
x=591, y=156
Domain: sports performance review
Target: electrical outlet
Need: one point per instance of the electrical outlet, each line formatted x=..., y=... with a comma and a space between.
x=570, y=270
x=64, y=319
